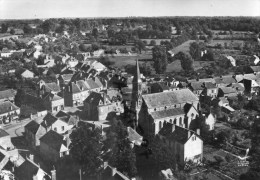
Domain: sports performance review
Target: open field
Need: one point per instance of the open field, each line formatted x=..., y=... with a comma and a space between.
x=121, y=61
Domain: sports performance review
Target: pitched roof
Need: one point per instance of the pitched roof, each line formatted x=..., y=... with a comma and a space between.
x=255, y=68
x=7, y=106
x=75, y=88
x=167, y=113
x=53, y=140
x=3, y=133
x=228, y=90
x=7, y=93
x=82, y=85
x=133, y=136
x=52, y=97
x=48, y=120
x=67, y=77
x=169, y=98
x=176, y=133
x=91, y=84
x=28, y=169
x=32, y=126
x=225, y=80
x=52, y=86
x=70, y=120
x=94, y=98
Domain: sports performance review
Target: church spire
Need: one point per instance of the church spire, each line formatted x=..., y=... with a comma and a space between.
x=137, y=76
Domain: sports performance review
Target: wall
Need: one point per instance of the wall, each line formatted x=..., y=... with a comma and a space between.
x=193, y=147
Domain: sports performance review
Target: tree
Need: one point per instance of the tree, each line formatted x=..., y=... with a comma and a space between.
x=152, y=43
x=140, y=45
x=159, y=59
x=195, y=50
x=4, y=28
x=186, y=61
x=12, y=31
x=118, y=151
x=95, y=33
x=86, y=149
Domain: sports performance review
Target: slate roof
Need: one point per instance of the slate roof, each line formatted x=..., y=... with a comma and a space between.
x=32, y=126
x=70, y=120
x=3, y=133
x=6, y=106
x=91, y=84
x=169, y=98
x=82, y=85
x=7, y=93
x=48, y=120
x=53, y=97
x=53, y=140
x=197, y=85
x=228, y=90
x=52, y=86
x=75, y=88
x=176, y=133
x=27, y=170
x=94, y=98
x=167, y=113
x=255, y=68
x=225, y=80
x=67, y=77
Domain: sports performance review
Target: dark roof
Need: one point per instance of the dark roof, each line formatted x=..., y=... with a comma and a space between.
x=228, y=90
x=255, y=68
x=176, y=133
x=7, y=106
x=53, y=140
x=48, y=120
x=27, y=170
x=7, y=93
x=66, y=118
x=91, y=84
x=3, y=133
x=32, y=126
x=169, y=98
x=52, y=97
x=161, y=85
x=94, y=98
x=167, y=113
x=61, y=114
x=75, y=88
x=52, y=86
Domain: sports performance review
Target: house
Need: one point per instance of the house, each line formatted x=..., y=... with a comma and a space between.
x=196, y=87
x=103, y=125
x=98, y=105
x=27, y=74
x=30, y=170
x=53, y=102
x=170, y=106
x=7, y=36
x=53, y=146
x=5, y=53
x=224, y=80
x=7, y=95
x=98, y=53
x=5, y=140
x=64, y=79
x=250, y=83
x=58, y=124
x=76, y=92
x=52, y=87
x=33, y=131
x=8, y=112
x=111, y=173
x=227, y=92
x=187, y=145
x=134, y=137
x=210, y=90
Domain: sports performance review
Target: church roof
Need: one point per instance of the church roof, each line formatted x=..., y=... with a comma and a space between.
x=169, y=98
x=167, y=113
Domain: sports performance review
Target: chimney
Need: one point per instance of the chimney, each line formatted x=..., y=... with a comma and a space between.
x=173, y=128
x=53, y=174
x=11, y=107
x=31, y=157
x=114, y=171
x=104, y=98
x=198, y=131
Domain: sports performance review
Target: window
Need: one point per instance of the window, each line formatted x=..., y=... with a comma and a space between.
x=165, y=107
x=180, y=121
x=160, y=125
x=171, y=121
x=154, y=109
x=192, y=115
x=62, y=128
x=212, y=91
x=55, y=129
x=175, y=121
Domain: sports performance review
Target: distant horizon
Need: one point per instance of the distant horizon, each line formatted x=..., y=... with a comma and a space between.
x=46, y=9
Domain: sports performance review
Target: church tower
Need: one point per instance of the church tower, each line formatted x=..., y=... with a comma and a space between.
x=136, y=93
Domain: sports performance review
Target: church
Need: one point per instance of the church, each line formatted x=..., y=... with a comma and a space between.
x=177, y=107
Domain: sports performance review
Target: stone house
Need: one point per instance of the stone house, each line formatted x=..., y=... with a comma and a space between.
x=187, y=145
x=53, y=146
x=8, y=112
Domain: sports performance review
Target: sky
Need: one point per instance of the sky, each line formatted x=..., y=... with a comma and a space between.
x=31, y=9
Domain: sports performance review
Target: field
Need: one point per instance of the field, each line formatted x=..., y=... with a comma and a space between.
x=184, y=47
x=176, y=66
x=121, y=61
